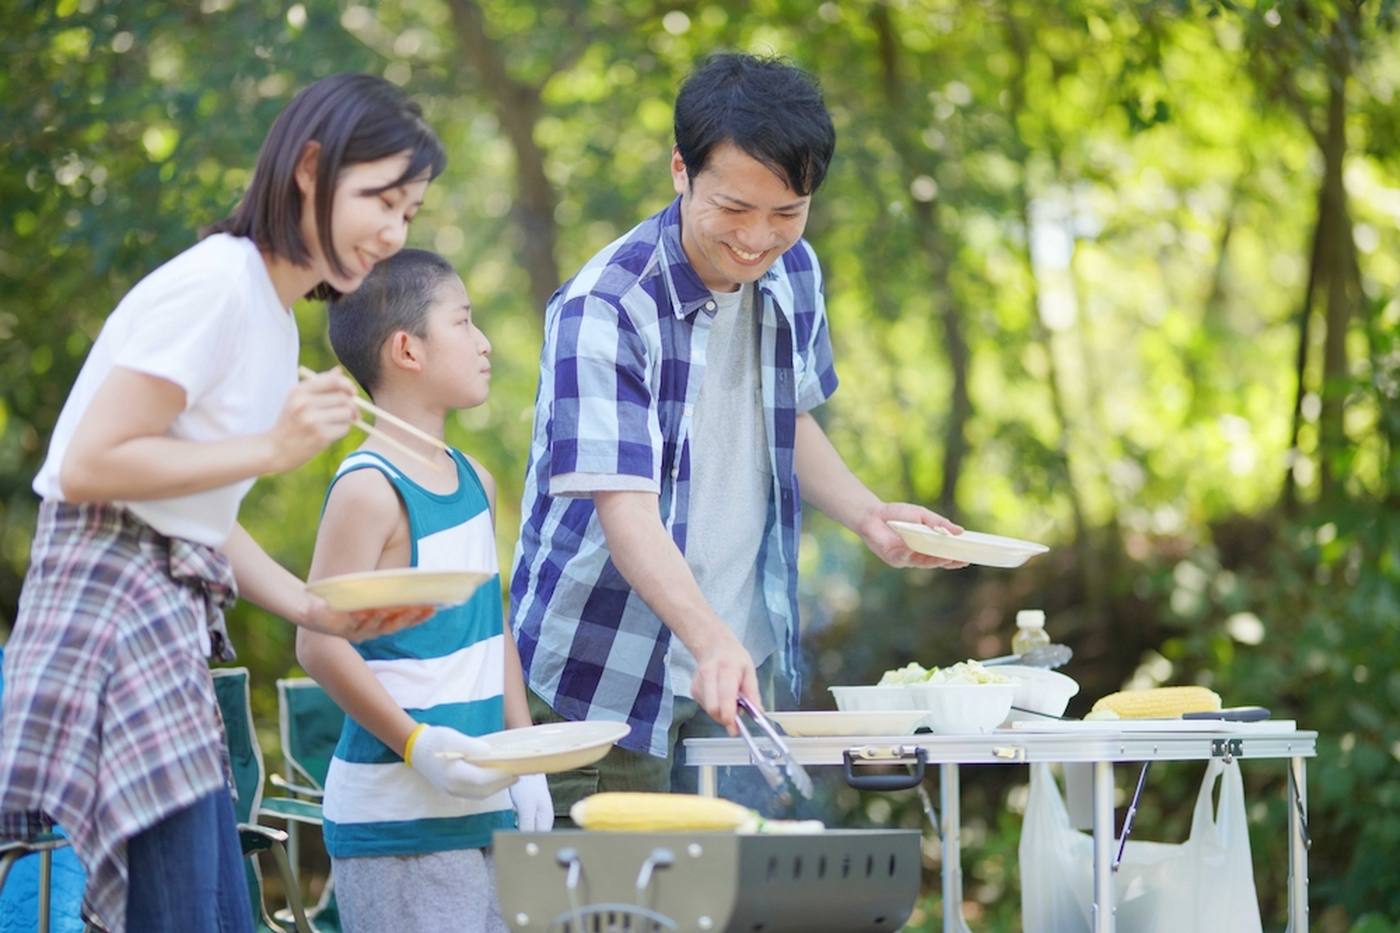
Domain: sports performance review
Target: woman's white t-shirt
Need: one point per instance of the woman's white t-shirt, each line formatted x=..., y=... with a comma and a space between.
x=211, y=322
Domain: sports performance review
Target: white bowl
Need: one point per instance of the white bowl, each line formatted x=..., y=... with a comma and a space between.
x=1038, y=689
x=957, y=709
x=871, y=699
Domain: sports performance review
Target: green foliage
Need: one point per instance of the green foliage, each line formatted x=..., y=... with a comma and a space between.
x=1113, y=201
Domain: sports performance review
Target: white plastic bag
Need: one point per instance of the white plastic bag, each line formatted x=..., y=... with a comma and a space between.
x=1204, y=884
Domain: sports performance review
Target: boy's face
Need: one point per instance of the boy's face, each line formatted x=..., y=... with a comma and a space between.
x=456, y=354
x=737, y=217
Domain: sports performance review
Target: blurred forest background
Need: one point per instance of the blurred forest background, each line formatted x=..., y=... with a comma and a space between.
x=1122, y=277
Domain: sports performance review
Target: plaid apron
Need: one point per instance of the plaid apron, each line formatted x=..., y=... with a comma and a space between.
x=110, y=721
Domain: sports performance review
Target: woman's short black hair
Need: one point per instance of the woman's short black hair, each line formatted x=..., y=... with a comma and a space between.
x=396, y=296
x=770, y=109
x=352, y=118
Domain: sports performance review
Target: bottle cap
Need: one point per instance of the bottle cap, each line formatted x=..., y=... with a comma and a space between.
x=1030, y=618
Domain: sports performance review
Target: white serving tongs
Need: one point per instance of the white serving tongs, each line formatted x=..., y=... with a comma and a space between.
x=775, y=760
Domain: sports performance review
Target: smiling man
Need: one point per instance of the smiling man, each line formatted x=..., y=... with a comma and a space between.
x=656, y=575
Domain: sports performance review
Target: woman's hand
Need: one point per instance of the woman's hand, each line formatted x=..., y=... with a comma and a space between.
x=362, y=624
x=317, y=413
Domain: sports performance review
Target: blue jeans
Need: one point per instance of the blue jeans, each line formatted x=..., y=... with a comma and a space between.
x=187, y=873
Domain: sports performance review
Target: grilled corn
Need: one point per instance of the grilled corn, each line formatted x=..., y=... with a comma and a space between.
x=644, y=813
x=1159, y=702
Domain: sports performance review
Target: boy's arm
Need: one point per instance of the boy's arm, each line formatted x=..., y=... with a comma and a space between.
x=517, y=707
x=360, y=516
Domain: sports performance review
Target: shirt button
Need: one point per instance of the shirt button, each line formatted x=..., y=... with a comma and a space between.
x=709, y=306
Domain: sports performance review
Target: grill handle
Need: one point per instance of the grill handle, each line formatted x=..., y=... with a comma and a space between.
x=915, y=756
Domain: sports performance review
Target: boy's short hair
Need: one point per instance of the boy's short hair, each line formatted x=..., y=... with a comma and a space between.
x=771, y=110
x=395, y=296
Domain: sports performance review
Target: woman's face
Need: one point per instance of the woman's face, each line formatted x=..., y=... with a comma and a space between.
x=367, y=224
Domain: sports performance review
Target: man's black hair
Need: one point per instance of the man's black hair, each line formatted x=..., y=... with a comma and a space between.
x=770, y=109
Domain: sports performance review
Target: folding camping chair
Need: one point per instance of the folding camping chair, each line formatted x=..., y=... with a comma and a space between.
x=309, y=722
x=246, y=761
x=42, y=847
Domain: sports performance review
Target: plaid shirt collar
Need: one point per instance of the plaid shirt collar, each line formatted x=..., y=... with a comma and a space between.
x=688, y=294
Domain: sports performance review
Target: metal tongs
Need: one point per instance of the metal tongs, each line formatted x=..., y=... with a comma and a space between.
x=1046, y=656
x=773, y=761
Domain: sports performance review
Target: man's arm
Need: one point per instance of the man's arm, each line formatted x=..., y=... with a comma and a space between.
x=828, y=484
x=651, y=563
x=360, y=516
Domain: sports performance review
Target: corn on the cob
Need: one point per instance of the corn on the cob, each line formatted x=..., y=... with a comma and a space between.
x=1159, y=702
x=643, y=813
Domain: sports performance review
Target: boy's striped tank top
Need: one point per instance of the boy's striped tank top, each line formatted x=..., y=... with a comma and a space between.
x=448, y=671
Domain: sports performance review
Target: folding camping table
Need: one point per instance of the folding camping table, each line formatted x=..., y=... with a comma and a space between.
x=1101, y=744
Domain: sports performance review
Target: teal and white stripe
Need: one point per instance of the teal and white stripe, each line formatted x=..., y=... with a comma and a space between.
x=447, y=671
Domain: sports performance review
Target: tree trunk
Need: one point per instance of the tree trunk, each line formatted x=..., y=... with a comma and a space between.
x=937, y=249
x=1300, y=362
x=1337, y=246
x=517, y=106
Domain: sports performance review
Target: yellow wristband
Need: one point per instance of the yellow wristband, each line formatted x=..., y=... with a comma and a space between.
x=408, y=745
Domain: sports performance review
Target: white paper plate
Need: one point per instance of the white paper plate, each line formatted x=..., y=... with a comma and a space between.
x=545, y=749
x=972, y=547
x=385, y=589
x=826, y=722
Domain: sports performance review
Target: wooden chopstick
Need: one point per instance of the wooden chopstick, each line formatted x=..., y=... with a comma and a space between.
x=392, y=441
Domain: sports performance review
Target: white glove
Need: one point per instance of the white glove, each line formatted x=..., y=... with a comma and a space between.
x=534, y=808
x=452, y=775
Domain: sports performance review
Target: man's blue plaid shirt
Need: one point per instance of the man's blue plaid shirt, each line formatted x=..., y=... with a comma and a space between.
x=622, y=365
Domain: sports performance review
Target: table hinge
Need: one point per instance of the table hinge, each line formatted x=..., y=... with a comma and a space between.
x=1226, y=748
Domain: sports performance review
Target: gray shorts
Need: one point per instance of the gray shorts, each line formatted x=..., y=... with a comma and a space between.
x=438, y=891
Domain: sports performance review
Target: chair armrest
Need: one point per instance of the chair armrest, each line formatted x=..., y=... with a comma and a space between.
x=279, y=781
x=291, y=808
x=254, y=838
x=46, y=841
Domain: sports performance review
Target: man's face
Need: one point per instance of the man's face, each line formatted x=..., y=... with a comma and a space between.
x=737, y=216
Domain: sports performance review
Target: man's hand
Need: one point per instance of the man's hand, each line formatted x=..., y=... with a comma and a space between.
x=890, y=547
x=725, y=670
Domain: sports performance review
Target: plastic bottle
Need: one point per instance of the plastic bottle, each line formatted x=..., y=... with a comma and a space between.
x=1030, y=631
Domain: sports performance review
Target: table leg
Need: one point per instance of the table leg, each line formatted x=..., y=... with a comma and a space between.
x=708, y=781
x=949, y=802
x=45, y=888
x=1297, y=845
x=1103, y=847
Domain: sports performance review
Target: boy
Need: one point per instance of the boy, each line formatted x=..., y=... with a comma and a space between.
x=402, y=823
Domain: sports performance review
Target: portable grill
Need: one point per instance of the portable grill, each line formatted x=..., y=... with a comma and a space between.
x=575, y=881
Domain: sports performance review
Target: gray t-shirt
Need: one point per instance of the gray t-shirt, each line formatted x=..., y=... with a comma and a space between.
x=731, y=480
